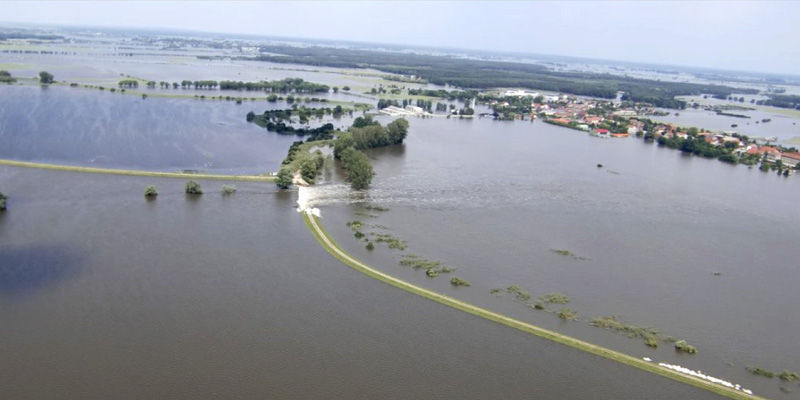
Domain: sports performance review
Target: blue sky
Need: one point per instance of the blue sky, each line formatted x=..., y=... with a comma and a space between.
x=738, y=35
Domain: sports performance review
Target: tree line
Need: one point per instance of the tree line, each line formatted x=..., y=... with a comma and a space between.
x=480, y=74
x=288, y=85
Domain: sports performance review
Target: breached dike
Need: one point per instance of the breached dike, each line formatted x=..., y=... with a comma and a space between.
x=701, y=375
x=302, y=203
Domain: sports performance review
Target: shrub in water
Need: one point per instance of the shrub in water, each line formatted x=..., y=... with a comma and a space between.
x=456, y=281
x=150, y=191
x=228, y=189
x=193, y=187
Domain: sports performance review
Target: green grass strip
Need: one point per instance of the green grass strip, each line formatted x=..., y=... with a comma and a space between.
x=128, y=172
x=330, y=245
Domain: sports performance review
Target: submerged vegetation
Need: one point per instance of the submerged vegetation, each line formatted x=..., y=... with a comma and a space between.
x=567, y=314
x=681, y=345
x=393, y=242
x=554, y=298
x=456, y=281
x=432, y=268
x=757, y=370
x=228, y=189
x=520, y=293
x=647, y=333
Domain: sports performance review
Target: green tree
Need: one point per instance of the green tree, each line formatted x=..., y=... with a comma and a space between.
x=45, y=77
x=2, y=201
x=284, y=178
x=251, y=116
x=359, y=169
x=346, y=88
x=366, y=120
x=335, y=89
x=150, y=191
x=397, y=130
x=193, y=187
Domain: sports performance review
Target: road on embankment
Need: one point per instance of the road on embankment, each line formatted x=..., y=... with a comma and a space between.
x=129, y=172
x=328, y=244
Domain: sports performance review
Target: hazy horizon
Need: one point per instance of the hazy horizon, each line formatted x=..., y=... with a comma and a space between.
x=741, y=36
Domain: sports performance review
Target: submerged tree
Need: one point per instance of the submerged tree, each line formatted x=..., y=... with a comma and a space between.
x=45, y=77
x=150, y=191
x=193, y=187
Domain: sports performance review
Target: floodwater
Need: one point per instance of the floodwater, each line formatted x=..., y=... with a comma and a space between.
x=103, y=129
x=702, y=250
x=782, y=127
x=104, y=294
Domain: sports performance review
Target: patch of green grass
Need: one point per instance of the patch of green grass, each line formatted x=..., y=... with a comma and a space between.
x=375, y=207
x=562, y=252
x=554, y=298
x=495, y=290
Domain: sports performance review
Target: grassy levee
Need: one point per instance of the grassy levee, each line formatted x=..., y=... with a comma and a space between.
x=330, y=245
x=128, y=172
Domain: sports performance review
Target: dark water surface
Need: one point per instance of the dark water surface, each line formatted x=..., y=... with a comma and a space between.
x=91, y=128
x=104, y=294
x=494, y=199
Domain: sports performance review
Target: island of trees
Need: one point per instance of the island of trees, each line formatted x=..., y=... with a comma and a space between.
x=365, y=133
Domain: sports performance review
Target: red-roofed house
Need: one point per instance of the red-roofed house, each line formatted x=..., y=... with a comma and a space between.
x=790, y=159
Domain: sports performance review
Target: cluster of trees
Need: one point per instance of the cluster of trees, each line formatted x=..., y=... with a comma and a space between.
x=198, y=84
x=359, y=169
x=383, y=103
x=45, y=77
x=782, y=101
x=129, y=83
x=287, y=85
x=481, y=74
x=5, y=77
x=279, y=121
x=308, y=167
x=461, y=95
x=366, y=133
x=321, y=133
